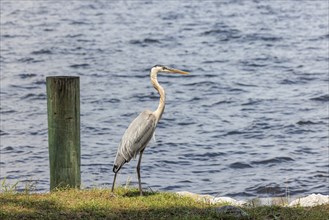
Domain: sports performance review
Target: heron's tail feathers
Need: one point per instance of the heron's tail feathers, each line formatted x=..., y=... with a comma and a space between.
x=116, y=168
x=118, y=163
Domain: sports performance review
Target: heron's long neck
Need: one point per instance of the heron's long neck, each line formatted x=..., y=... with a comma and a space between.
x=158, y=87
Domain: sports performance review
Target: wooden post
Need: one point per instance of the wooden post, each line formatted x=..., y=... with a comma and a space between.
x=63, y=102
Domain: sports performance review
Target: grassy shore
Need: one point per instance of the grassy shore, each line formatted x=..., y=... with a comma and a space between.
x=127, y=204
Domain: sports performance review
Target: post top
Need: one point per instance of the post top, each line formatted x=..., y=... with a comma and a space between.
x=62, y=77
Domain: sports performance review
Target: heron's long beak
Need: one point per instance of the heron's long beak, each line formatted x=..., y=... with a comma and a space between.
x=177, y=71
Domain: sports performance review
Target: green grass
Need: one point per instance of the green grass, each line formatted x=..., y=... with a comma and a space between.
x=127, y=204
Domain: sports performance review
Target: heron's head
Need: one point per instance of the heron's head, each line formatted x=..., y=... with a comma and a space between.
x=161, y=68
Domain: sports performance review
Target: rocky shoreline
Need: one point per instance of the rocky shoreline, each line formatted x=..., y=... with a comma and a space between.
x=307, y=201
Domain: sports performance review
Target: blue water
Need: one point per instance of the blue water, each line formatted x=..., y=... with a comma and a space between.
x=250, y=120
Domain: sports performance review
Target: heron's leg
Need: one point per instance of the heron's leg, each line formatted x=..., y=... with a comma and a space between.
x=138, y=172
x=115, y=176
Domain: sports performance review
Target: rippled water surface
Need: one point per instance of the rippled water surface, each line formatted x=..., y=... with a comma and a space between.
x=250, y=120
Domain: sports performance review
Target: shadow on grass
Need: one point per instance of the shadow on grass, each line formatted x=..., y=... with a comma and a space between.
x=15, y=208
x=137, y=194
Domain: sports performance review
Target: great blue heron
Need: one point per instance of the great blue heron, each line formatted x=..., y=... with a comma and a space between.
x=141, y=130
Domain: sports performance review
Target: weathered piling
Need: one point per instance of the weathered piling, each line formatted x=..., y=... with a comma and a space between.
x=63, y=102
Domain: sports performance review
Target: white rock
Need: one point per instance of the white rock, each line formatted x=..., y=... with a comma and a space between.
x=311, y=200
x=197, y=197
x=227, y=200
x=211, y=199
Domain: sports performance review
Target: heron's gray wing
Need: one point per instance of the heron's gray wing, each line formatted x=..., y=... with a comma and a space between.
x=135, y=138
